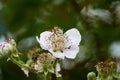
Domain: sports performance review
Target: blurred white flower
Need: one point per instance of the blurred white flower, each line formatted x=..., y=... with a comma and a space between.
x=101, y=14
x=115, y=49
x=44, y=63
x=59, y=44
x=5, y=48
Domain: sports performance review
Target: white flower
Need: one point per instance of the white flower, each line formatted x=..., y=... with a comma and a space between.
x=44, y=63
x=5, y=48
x=59, y=44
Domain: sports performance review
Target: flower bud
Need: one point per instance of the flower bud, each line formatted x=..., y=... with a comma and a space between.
x=91, y=76
x=5, y=48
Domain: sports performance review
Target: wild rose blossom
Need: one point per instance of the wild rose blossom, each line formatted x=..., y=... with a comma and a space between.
x=61, y=44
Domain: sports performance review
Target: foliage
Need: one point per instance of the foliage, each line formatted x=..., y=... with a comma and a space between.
x=97, y=20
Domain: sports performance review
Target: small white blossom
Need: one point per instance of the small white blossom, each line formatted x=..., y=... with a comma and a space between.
x=44, y=63
x=5, y=48
x=59, y=44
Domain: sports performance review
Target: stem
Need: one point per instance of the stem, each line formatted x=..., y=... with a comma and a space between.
x=59, y=78
x=57, y=73
x=49, y=76
x=45, y=77
x=16, y=61
x=21, y=64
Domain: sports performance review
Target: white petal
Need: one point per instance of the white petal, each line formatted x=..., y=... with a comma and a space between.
x=38, y=39
x=38, y=67
x=72, y=52
x=58, y=69
x=25, y=71
x=44, y=40
x=73, y=36
x=57, y=54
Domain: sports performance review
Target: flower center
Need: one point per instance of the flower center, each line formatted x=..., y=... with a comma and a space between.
x=58, y=43
x=58, y=40
x=45, y=58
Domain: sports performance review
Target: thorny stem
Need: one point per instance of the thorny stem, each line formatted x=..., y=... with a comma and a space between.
x=21, y=64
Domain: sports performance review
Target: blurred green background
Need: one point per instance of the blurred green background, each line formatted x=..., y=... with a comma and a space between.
x=97, y=20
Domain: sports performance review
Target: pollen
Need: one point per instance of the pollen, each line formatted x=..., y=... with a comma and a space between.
x=46, y=58
x=58, y=40
x=58, y=43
